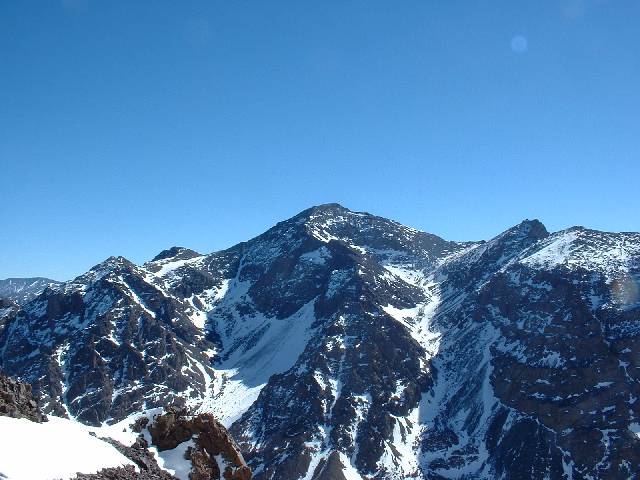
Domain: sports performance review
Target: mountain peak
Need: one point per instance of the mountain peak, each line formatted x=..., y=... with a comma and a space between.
x=112, y=264
x=176, y=253
x=115, y=261
x=323, y=209
x=533, y=228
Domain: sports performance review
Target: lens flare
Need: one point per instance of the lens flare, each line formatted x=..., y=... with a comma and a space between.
x=519, y=44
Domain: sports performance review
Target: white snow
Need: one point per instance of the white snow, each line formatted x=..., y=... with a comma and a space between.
x=604, y=384
x=603, y=252
x=555, y=253
x=174, y=461
x=318, y=257
x=58, y=448
x=239, y=379
x=401, y=456
x=169, y=266
x=348, y=470
x=209, y=298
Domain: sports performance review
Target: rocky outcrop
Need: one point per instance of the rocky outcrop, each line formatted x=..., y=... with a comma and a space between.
x=124, y=473
x=17, y=401
x=214, y=454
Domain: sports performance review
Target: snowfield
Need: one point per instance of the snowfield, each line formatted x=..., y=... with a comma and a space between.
x=55, y=449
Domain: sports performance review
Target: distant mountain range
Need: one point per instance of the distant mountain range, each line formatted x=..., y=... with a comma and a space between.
x=21, y=290
x=342, y=345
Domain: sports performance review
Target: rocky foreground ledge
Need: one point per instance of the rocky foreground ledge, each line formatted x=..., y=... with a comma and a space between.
x=17, y=401
x=209, y=450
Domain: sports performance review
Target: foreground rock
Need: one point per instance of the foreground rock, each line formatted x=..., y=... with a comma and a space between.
x=211, y=452
x=17, y=401
x=125, y=473
x=213, y=455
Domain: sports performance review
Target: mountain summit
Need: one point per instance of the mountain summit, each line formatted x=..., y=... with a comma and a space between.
x=342, y=345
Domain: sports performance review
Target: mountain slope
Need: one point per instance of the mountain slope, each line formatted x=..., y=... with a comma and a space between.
x=339, y=344
x=105, y=345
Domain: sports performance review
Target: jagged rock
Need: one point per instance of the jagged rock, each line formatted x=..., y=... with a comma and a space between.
x=141, y=456
x=140, y=424
x=125, y=473
x=212, y=442
x=17, y=401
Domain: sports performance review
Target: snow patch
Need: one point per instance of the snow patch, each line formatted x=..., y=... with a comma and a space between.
x=62, y=448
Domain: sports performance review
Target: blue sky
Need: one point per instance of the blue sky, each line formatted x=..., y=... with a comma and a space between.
x=128, y=127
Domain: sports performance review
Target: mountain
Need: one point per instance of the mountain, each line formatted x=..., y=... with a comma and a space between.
x=342, y=345
x=21, y=290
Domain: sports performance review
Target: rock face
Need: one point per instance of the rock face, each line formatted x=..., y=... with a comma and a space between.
x=107, y=344
x=17, y=401
x=213, y=455
x=340, y=345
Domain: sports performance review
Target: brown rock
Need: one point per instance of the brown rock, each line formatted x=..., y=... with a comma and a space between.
x=211, y=439
x=17, y=401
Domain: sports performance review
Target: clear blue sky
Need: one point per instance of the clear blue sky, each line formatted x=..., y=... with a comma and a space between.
x=128, y=127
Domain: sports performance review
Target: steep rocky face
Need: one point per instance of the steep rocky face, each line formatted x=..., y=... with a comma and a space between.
x=343, y=345
x=529, y=380
x=17, y=401
x=105, y=345
x=21, y=290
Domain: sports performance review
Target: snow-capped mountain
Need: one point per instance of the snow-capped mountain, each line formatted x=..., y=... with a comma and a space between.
x=21, y=290
x=341, y=345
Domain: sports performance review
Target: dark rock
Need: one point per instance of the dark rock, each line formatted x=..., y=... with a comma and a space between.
x=17, y=401
x=125, y=473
